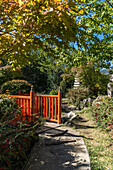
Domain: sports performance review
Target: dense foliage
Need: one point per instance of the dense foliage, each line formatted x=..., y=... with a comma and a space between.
x=93, y=79
x=14, y=85
x=16, y=137
x=44, y=73
x=67, y=81
x=7, y=73
x=7, y=106
x=102, y=110
x=57, y=27
x=76, y=96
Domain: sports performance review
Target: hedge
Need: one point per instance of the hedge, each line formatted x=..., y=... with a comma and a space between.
x=14, y=85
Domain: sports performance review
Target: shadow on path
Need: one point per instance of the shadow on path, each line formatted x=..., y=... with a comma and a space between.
x=66, y=152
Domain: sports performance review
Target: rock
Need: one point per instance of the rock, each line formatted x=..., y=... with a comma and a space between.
x=72, y=107
x=74, y=117
x=86, y=102
x=68, y=108
x=98, y=100
x=69, y=117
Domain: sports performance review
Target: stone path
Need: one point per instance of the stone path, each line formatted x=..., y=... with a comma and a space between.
x=64, y=152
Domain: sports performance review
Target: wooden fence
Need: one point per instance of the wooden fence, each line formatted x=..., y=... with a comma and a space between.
x=48, y=106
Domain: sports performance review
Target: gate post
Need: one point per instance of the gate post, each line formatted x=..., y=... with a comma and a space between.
x=59, y=105
x=19, y=92
x=32, y=98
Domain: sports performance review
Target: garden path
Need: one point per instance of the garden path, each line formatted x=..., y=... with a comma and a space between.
x=64, y=152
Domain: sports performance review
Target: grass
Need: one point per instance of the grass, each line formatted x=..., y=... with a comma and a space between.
x=98, y=142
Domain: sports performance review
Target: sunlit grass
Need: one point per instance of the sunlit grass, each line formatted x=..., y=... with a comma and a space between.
x=100, y=147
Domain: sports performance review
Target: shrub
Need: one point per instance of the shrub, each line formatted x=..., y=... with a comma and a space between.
x=7, y=74
x=76, y=96
x=14, y=85
x=16, y=138
x=53, y=92
x=103, y=113
x=7, y=106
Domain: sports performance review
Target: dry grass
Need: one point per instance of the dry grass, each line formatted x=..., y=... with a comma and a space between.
x=98, y=142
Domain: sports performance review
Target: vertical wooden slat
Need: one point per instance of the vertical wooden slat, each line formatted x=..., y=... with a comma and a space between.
x=31, y=102
x=36, y=104
x=26, y=106
x=32, y=98
x=55, y=108
x=41, y=106
x=46, y=106
x=52, y=107
x=44, y=110
x=49, y=107
x=21, y=104
x=59, y=106
x=28, y=110
x=23, y=115
x=18, y=113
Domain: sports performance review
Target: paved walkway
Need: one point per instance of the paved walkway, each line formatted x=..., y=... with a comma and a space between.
x=61, y=152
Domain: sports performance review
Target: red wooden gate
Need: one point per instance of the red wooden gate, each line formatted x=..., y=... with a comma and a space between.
x=48, y=106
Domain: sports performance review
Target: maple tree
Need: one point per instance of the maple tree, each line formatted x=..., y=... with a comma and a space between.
x=98, y=18
x=54, y=26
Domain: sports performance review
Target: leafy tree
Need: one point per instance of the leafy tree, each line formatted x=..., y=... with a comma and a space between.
x=76, y=96
x=43, y=72
x=55, y=26
x=39, y=24
x=93, y=79
x=98, y=20
x=100, y=25
x=67, y=81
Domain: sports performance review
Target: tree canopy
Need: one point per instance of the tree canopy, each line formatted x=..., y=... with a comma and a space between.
x=57, y=27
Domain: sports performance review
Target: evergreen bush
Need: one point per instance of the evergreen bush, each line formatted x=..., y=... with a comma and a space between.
x=14, y=85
